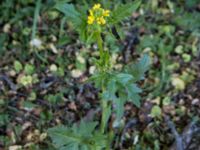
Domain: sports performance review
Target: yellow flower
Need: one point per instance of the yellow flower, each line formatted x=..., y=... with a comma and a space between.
x=90, y=19
x=96, y=6
x=91, y=12
x=106, y=13
x=98, y=21
x=102, y=20
x=97, y=15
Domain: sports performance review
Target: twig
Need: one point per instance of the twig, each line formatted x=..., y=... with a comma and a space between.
x=178, y=138
x=188, y=134
x=47, y=82
x=9, y=82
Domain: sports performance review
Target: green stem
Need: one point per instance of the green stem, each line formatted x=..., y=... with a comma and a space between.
x=100, y=44
x=110, y=139
x=36, y=14
x=62, y=24
x=106, y=108
x=34, y=28
x=163, y=65
x=104, y=104
x=103, y=117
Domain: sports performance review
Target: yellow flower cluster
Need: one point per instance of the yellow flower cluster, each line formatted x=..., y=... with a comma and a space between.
x=97, y=15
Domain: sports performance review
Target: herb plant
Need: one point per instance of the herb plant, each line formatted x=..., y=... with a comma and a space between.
x=116, y=86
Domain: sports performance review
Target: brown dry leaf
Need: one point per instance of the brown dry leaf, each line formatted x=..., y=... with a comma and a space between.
x=15, y=147
x=169, y=109
x=72, y=106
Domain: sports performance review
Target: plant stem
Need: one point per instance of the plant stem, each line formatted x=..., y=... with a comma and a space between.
x=36, y=14
x=103, y=117
x=34, y=28
x=110, y=139
x=104, y=104
x=100, y=44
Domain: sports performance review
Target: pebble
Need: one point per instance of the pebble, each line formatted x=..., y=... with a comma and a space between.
x=195, y=101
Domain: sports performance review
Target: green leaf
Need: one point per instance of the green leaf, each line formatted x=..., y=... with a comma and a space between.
x=85, y=128
x=134, y=97
x=186, y=57
x=119, y=108
x=156, y=111
x=187, y=20
x=166, y=100
x=123, y=11
x=110, y=92
x=18, y=66
x=138, y=70
x=78, y=137
x=4, y=118
x=54, y=99
x=101, y=79
x=69, y=11
x=124, y=78
x=78, y=19
x=105, y=113
x=133, y=88
x=81, y=28
x=133, y=93
x=98, y=79
x=120, y=87
x=62, y=136
x=101, y=141
x=3, y=38
x=29, y=69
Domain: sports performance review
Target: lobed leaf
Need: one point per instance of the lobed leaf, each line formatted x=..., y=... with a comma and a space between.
x=79, y=137
x=138, y=70
x=69, y=10
x=124, y=78
x=123, y=11
x=78, y=19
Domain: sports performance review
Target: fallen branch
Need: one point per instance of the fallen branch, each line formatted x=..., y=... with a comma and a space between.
x=183, y=141
x=178, y=138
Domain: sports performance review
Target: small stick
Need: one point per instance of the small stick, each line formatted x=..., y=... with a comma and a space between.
x=178, y=138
